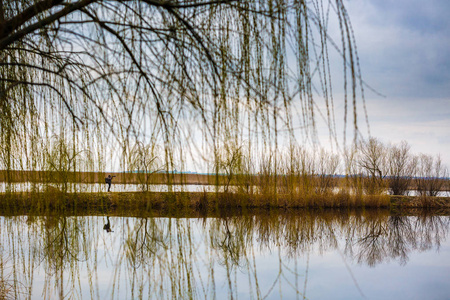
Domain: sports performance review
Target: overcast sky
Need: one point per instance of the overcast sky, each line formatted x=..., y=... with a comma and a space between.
x=404, y=51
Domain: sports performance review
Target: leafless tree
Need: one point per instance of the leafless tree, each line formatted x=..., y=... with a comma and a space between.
x=401, y=168
x=431, y=175
x=372, y=160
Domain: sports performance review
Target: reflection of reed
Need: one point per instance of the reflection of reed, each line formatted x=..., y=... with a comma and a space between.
x=197, y=258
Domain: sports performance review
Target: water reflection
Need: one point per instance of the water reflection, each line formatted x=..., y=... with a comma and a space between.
x=116, y=187
x=107, y=226
x=242, y=256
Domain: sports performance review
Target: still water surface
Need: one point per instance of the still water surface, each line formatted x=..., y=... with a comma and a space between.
x=101, y=187
x=296, y=255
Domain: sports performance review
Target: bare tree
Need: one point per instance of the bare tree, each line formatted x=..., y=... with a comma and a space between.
x=431, y=175
x=401, y=168
x=372, y=160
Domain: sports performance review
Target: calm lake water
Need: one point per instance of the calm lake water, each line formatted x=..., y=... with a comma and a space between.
x=296, y=255
x=102, y=187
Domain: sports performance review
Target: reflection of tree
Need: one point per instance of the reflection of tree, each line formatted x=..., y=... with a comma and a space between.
x=231, y=246
x=8, y=288
x=64, y=241
x=145, y=241
x=300, y=235
x=395, y=237
x=430, y=231
x=400, y=237
x=369, y=238
x=371, y=244
x=187, y=258
x=65, y=245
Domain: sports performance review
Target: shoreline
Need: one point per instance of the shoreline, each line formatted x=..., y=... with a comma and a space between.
x=207, y=203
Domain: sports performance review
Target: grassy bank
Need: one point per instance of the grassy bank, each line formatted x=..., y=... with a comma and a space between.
x=203, y=202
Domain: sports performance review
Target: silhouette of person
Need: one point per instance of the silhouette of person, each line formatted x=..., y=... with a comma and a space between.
x=107, y=226
x=108, y=180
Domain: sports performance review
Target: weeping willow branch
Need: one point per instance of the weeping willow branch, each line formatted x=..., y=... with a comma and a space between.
x=174, y=73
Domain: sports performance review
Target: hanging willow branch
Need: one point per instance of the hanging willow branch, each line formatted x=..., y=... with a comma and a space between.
x=164, y=72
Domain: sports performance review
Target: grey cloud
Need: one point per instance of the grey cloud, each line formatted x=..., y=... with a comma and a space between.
x=404, y=45
x=425, y=16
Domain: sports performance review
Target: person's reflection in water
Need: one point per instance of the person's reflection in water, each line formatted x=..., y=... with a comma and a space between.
x=107, y=226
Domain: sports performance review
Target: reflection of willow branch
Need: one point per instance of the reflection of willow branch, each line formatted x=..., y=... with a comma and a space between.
x=65, y=246
x=146, y=241
x=63, y=243
x=273, y=285
x=232, y=246
x=306, y=277
x=284, y=266
x=345, y=262
x=163, y=257
x=10, y=288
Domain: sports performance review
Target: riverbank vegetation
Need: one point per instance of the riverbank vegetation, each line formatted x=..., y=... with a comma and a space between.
x=153, y=90
x=374, y=173
x=203, y=204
